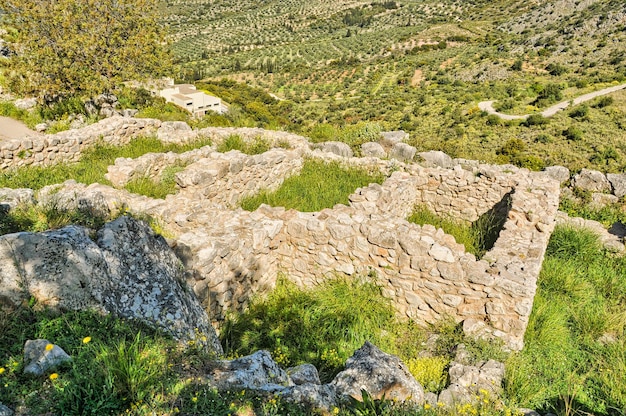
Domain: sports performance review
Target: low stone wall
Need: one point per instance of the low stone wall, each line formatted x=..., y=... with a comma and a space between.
x=67, y=146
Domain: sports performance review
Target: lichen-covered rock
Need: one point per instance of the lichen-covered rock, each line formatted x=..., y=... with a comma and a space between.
x=257, y=371
x=41, y=356
x=403, y=152
x=128, y=271
x=592, y=181
x=618, y=182
x=373, y=149
x=379, y=374
x=560, y=173
x=304, y=374
x=338, y=148
x=10, y=198
x=317, y=398
x=5, y=411
x=390, y=138
x=437, y=158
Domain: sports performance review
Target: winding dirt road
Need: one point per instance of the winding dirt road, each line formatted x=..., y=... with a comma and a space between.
x=550, y=111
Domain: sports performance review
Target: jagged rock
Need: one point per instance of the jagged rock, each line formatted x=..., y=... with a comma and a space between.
x=318, y=398
x=431, y=399
x=257, y=371
x=469, y=382
x=91, y=108
x=304, y=374
x=591, y=180
x=373, y=149
x=108, y=112
x=437, y=158
x=5, y=411
x=391, y=138
x=11, y=198
x=128, y=271
x=25, y=103
x=106, y=99
x=338, y=148
x=169, y=129
x=560, y=173
x=39, y=358
x=599, y=200
x=402, y=152
x=41, y=127
x=129, y=112
x=378, y=373
x=618, y=182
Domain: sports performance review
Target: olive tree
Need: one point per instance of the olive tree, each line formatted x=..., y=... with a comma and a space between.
x=81, y=47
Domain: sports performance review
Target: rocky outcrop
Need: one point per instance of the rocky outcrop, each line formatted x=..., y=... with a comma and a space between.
x=5, y=411
x=437, y=158
x=379, y=374
x=592, y=181
x=41, y=356
x=257, y=372
x=338, y=148
x=127, y=270
x=402, y=152
x=372, y=149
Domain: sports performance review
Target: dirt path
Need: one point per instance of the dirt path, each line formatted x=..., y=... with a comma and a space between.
x=13, y=129
x=550, y=111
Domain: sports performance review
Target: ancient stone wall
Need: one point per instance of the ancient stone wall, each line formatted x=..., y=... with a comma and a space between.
x=68, y=145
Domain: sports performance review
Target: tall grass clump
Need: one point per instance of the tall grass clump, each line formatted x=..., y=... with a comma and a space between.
x=235, y=142
x=92, y=165
x=573, y=358
x=322, y=325
x=319, y=185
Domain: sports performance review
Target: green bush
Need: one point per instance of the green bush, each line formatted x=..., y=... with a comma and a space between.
x=236, y=142
x=573, y=134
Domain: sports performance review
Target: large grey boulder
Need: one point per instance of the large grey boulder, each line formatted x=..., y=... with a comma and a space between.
x=41, y=356
x=304, y=374
x=373, y=149
x=560, y=173
x=403, y=152
x=127, y=270
x=257, y=371
x=338, y=148
x=592, y=181
x=618, y=182
x=11, y=198
x=379, y=374
x=437, y=158
x=317, y=398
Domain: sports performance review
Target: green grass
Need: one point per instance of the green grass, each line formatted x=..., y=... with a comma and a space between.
x=319, y=185
x=236, y=142
x=607, y=215
x=92, y=165
x=478, y=237
x=581, y=298
x=323, y=325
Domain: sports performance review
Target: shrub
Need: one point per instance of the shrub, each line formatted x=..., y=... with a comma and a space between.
x=535, y=120
x=573, y=133
x=604, y=102
x=235, y=142
x=580, y=112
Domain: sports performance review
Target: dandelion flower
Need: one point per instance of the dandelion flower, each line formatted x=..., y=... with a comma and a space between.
x=1, y=370
x=54, y=376
x=86, y=340
x=194, y=399
x=426, y=406
x=49, y=347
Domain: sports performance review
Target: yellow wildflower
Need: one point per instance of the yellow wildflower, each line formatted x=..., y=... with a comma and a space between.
x=49, y=347
x=1, y=370
x=194, y=399
x=426, y=406
x=86, y=340
x=335, y=410
x=54, y=376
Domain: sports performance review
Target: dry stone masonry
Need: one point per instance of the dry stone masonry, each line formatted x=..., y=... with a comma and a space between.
x=231, y=254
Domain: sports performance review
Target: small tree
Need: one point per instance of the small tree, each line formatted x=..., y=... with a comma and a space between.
x=82, y=47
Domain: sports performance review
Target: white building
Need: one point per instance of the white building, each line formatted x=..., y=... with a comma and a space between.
x=192, y=100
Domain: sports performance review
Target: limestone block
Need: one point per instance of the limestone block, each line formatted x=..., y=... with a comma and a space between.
x=591, y=180
x=372, y=149
x=403, y=152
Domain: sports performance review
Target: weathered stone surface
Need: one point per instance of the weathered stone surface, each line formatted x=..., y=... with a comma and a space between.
x=5, y=411
x=390, y=138
x=591, y=180
x=402, y=152
x=41, y=356
x=128, y=271
x=437, y=158
x=598, y=200
x=257, y=371
x=11, y=198
x=618, y=182
x=338, y=148
x=560, y=173
x=318, y=398
x=304, y=374
x=373, y=149
x=378, y=373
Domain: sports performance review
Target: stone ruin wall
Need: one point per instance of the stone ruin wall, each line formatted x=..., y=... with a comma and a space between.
x=231, y=254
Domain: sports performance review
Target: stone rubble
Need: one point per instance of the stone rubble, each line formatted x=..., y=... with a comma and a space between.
x=41, y=356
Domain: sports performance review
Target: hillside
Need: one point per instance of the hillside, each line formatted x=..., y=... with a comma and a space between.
x=423, y=67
